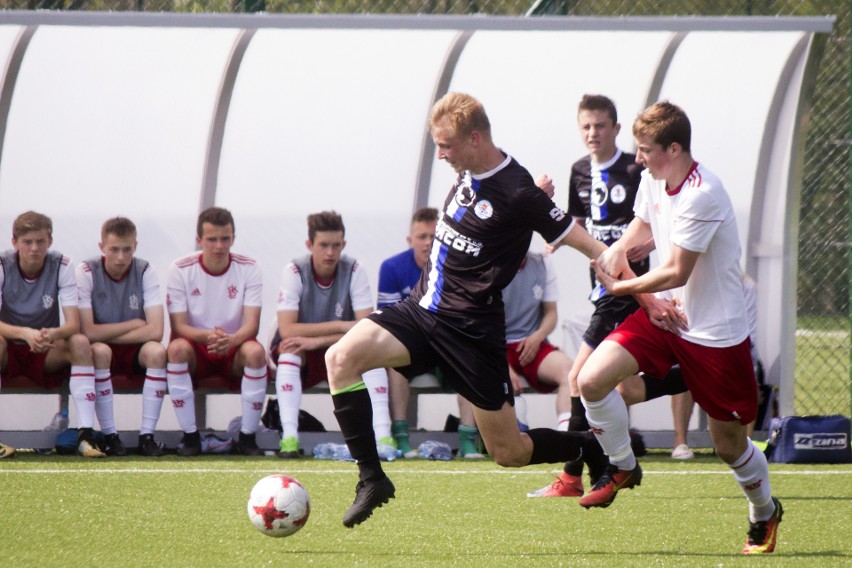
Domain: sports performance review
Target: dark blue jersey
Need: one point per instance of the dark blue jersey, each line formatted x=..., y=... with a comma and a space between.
x=603, y=194
x=397, y=277
x=481, y=239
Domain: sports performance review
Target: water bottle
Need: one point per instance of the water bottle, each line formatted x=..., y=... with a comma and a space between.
x=521, y=413
x=386, y=452
x=324, y=451
x=59, y=423
x=433, y=450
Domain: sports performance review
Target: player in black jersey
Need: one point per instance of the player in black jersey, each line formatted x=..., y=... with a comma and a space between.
x=454, y=318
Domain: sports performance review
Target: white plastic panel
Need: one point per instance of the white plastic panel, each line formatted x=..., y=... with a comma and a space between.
x=531, y=85
x=726, y=83
x=108, y=121
x=327, y=119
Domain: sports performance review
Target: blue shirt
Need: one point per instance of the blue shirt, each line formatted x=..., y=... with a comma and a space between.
x=397, y=277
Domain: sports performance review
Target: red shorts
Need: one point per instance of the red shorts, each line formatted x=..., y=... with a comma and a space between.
x=314, y=371
x=207, y=365
x=721, y=379
x=530, y=371
x=23, y=362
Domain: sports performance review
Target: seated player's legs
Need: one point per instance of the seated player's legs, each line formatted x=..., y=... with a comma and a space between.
x=180, y=369
x=5, y=450
x=249, y=366
x=290, y=374
x=152, y=359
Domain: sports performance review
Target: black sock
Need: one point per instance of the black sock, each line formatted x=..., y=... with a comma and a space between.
x=577, y=422
x=354, y=413
x=550, y=446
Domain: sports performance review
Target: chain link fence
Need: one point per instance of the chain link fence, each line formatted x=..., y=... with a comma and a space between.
x=823, y=335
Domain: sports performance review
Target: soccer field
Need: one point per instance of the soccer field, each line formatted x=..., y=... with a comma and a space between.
x=173, y=512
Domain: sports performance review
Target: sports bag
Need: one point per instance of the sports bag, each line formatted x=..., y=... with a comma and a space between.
x=809, y=439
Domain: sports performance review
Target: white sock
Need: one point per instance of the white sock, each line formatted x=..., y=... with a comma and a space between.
x=562, y=421
x=103, y=401
x=82, y=388
x=182, y=395
x=752, y=473
x=153, y=393
x=609, y=420
x=376, y=381
x=288, y=388
x=253, y=395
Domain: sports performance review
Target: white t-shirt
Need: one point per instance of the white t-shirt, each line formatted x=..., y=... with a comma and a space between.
x=212, y=300
x=699, y=217
x=290, y=292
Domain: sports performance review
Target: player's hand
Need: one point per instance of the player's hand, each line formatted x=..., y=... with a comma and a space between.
x=545, y=184
x=605, y=279
x=613, y=262
x=38, y=340
x=641, y=252
x=219, y=342
x=665, y=314
x=516, y=381
x=299, y=345
x=528, y=349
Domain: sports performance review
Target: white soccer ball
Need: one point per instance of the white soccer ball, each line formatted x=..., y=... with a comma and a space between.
x=279, y=505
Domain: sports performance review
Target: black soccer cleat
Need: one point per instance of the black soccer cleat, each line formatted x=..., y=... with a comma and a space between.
x=113, y=446
x=595, y=458
x=149, y=447
x=368, y=496
x=190, y=444
x=247, y=445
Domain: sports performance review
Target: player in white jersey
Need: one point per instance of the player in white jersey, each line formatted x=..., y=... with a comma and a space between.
x=687, y=211
x=35, y=282
x=323, y=294
x=214, y=300
x=121, y=312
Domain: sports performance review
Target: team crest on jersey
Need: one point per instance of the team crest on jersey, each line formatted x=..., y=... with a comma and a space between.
x=618, y=194
x=338, y=310
x=47, y=301
x=483, y=209
x=134, y=302
x=599, y=193
x=464, y=193
x=538, y=292
x=232, y=291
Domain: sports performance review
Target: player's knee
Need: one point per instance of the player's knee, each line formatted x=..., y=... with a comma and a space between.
x=80, y=347
x=153, y=355
x=101, y=355
x=253, y=354
x=179, y=351
x=506, y=456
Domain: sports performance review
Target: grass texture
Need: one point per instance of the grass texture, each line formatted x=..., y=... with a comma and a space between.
x=177, y=512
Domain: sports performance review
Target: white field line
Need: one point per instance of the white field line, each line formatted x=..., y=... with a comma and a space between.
x=393, y=472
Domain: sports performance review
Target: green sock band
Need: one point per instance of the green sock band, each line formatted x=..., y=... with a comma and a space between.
x=351, y=388
x=399, y=427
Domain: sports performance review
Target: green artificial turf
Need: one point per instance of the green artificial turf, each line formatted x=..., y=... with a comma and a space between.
x=174, y=512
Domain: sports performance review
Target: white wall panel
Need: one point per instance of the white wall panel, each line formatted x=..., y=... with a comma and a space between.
x=109, y=121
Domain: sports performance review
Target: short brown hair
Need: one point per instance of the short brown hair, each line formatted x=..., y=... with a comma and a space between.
x=217, y=216
x=425, y=215
x=324, y=221
x=598, y=102
x=464, y=112
x=31, y=221
x=121, y=227
x=665, y=123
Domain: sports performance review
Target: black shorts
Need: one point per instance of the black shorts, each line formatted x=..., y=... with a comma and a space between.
x=671, y=384
x=610, y=311
x=470, y=354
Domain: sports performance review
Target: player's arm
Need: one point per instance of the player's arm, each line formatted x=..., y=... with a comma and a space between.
x=614, y=259
x=529, y=346
x=579, y=238
x=135, y=330
x=327, y=331
x=69, y=327
x=674, y=273
x=68, y=301
x=105, y=332
x=181, y=328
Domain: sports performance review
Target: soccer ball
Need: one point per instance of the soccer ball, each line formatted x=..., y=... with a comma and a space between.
x=279, y=505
